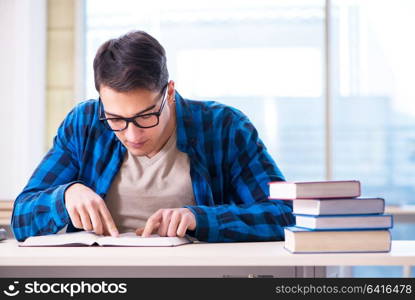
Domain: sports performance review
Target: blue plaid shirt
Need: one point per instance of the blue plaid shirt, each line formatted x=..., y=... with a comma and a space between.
x=229, y=166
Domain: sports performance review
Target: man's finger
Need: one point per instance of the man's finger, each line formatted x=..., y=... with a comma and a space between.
x=76, y=220
x=174, y=222
x=184, y=224
x=150, y=228
x=109, y=223
x=139, y=231
x=152, y=223
x=96, y=221
x=164, y=224
x=86, y=221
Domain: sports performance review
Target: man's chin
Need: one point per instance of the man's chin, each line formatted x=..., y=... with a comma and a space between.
x=142, y=151
x=137, y=152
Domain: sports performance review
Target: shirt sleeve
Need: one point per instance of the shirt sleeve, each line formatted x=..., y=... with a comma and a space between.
x=257, y=218
x=40, y=208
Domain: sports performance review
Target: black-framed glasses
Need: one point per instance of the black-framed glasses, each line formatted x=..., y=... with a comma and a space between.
x=147, y=120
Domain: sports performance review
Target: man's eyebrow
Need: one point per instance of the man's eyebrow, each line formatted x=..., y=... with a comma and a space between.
x=139, y=113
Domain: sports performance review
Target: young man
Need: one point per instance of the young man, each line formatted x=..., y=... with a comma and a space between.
x=142, y=158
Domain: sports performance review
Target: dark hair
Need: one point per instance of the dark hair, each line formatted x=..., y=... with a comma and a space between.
x=134, y=60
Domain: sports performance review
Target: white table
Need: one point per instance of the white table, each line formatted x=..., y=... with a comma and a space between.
x=193, y=260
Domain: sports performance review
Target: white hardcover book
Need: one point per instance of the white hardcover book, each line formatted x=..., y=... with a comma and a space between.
x=349, y=222
x=314, y=190
x=352, y=206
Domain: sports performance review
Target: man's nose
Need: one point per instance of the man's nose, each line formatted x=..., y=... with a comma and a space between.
x=133, y=133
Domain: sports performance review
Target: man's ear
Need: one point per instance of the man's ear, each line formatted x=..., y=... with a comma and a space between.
x=171, y=92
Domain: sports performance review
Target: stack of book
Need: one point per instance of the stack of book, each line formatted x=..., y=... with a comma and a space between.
x=330, y=217
x=6, y=208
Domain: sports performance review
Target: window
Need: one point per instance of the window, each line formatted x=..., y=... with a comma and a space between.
x=373, y=103
x=263, y=57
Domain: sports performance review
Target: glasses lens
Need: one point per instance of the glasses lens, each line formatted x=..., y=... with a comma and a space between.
x=147, y=120
x=116, y=124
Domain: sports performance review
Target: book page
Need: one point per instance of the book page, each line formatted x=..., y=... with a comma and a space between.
x=132, y=240
x=85, y=238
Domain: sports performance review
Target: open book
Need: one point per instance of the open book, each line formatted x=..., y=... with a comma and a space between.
x=88, y=238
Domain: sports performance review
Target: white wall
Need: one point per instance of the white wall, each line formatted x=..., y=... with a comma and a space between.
x=22, y=91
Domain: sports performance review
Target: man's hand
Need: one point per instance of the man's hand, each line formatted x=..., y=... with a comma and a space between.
x=88, y=211
x=169, y=222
